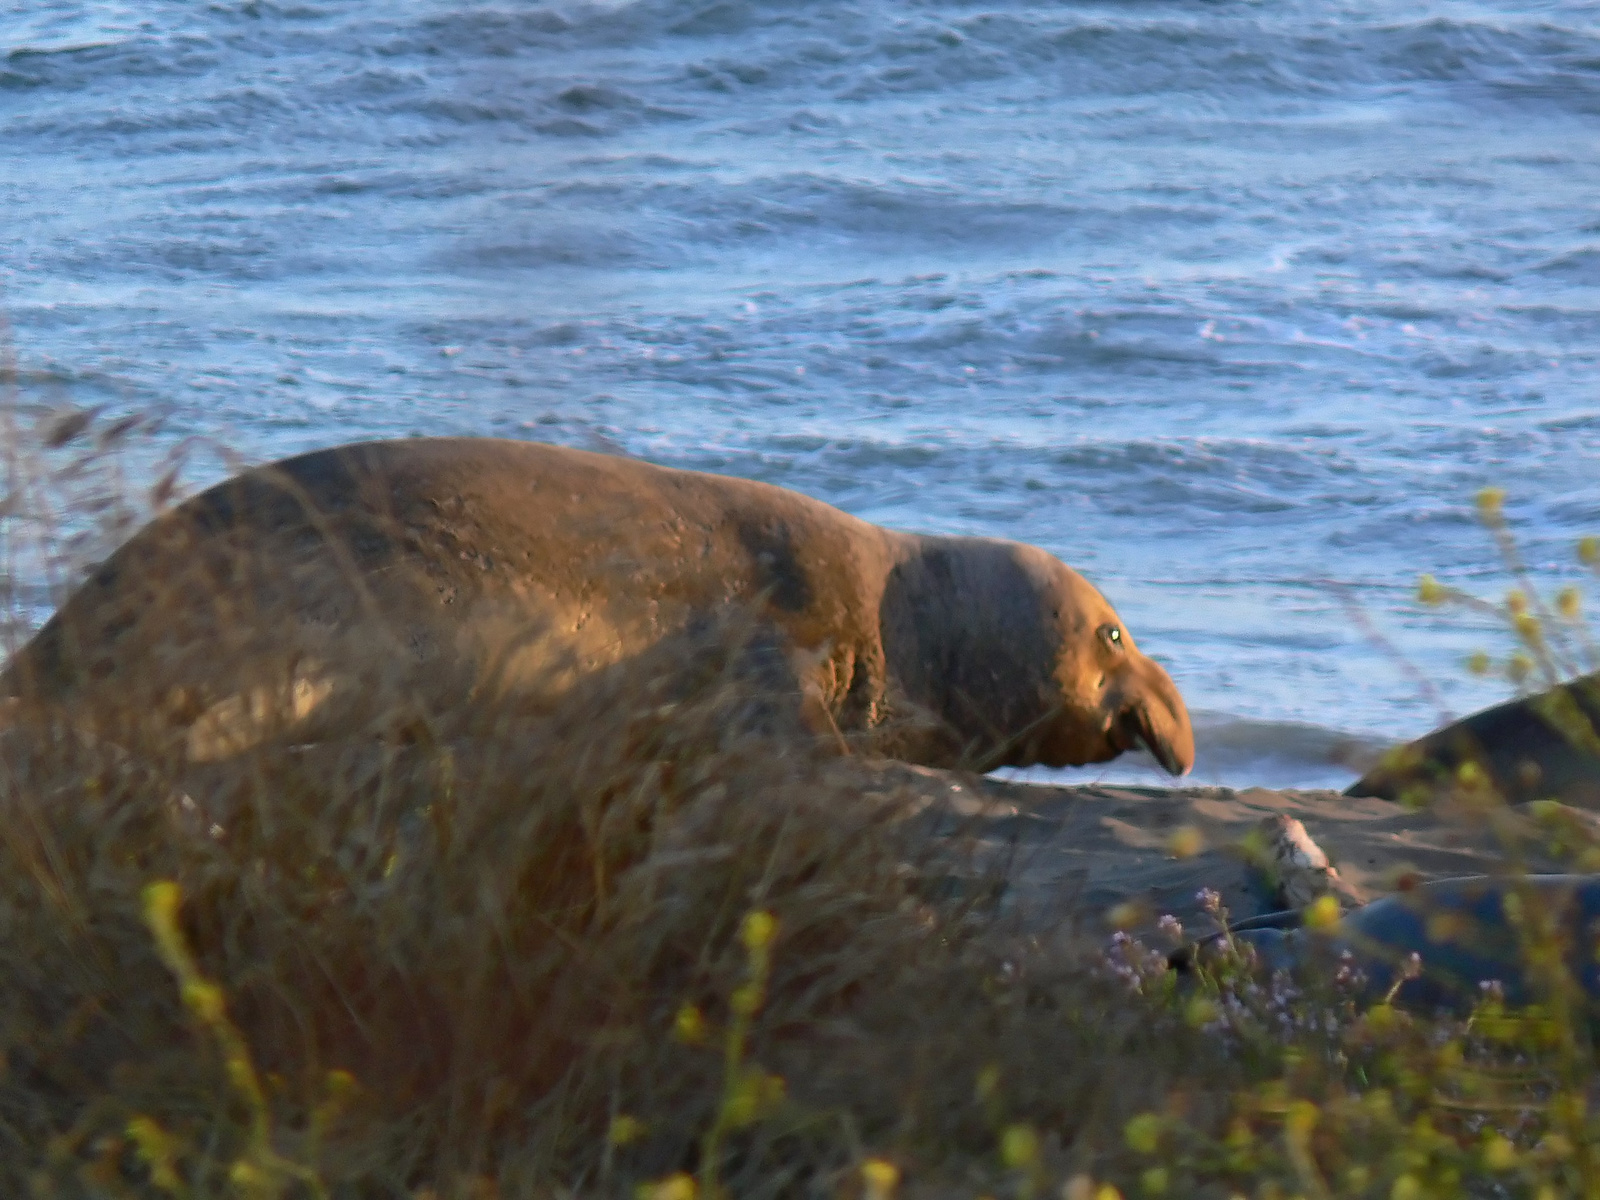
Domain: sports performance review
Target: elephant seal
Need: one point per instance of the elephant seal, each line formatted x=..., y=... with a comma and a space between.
x=1544, y=746
x=1464, y=932
x=326, y=594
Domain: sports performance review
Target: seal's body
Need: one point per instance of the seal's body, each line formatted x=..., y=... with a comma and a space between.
x=1464, y=931
x=1545, y=746
x=317, y=596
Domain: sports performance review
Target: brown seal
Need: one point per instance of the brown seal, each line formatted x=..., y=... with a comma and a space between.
x=1545, y=746
x=314, y=597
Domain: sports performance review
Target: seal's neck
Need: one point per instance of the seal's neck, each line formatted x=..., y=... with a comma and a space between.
x=965, y=640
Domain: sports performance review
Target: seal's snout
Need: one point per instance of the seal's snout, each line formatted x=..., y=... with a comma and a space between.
x=1176, y=757
x=1157, y=717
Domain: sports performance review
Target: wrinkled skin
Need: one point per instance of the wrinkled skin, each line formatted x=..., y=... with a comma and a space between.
x=391, y=583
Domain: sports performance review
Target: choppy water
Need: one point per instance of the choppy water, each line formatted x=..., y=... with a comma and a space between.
x=1219, y=301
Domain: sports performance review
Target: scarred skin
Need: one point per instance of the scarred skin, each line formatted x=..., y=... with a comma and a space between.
x=318, y=596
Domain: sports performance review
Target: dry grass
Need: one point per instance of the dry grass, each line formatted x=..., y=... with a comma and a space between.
x=529, y=955
x=495, y=937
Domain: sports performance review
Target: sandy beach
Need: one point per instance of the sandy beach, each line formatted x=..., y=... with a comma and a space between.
x=1071, y=855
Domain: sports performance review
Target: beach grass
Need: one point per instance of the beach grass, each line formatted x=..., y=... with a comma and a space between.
x=650, y=946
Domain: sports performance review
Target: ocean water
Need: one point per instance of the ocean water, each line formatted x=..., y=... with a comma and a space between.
x=1232, y=305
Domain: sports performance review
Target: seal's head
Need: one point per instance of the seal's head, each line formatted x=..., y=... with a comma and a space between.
x=1107, y=697
x=1026, y=661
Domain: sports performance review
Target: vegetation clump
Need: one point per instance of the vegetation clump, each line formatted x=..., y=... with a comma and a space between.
x=647, y=946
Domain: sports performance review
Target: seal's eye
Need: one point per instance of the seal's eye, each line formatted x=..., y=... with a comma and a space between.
x=1112, y=636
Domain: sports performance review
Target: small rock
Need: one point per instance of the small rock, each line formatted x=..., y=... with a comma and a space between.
x=1303, y=872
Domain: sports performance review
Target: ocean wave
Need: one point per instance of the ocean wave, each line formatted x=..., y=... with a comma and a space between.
x=1212, y=301
x=1580, y=266
x=1240, y=752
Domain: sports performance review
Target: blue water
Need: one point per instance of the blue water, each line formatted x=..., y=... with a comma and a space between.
x=1218, y=301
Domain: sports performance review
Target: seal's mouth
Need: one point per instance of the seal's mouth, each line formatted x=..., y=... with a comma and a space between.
x=1136, y=729
x=1170, y=762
